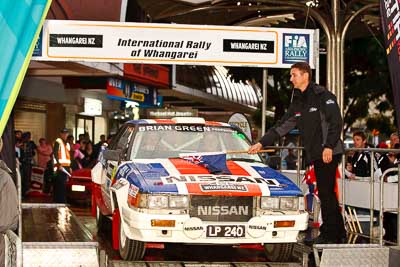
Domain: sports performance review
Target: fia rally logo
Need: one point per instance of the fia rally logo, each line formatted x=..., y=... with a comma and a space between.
x=296, y=47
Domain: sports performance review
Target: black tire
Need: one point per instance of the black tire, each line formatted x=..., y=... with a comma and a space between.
x=279, y=252
x=100, y=219
x=130, y=250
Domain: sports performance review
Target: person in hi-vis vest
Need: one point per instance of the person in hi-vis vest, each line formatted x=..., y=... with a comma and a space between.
x=62, y=163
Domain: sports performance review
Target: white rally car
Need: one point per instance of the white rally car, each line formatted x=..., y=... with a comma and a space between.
x=161, y=182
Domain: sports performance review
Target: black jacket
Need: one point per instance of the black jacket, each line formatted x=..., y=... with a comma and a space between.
x=361, y=162
x=316, y=114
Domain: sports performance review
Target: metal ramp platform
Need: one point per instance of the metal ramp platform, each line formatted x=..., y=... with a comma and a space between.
x=351, y=255
x=199, y=264
x=300, y=252
x=53, y=236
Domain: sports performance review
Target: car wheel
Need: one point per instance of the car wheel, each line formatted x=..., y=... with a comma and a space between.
x=130, y=249
x=279, y=252
x=100, y=219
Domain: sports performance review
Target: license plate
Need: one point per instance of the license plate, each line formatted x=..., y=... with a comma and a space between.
x=78, y=188
x=225, y=231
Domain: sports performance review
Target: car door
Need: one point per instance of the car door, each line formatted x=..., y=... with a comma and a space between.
x=114, y=155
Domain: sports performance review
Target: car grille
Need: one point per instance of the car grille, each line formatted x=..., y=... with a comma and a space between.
x=221, y=208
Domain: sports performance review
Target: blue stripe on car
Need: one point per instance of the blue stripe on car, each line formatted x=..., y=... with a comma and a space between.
x=146, y=176
x=288, y=188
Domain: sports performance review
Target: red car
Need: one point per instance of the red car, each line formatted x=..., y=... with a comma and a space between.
x=79, y=185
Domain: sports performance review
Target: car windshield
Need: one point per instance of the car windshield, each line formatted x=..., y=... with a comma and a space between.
x=168, y=141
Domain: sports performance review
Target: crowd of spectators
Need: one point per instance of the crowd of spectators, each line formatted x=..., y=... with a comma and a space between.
x=83, y=154
x=358, y=163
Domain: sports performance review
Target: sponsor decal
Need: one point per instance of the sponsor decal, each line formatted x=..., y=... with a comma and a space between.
x=133, y=190
x=222, y=210
x=313, y=109
x=248, y=46
x=218, y=179
x=124, y=171
x=296, y=48
x=108, y=183
x=257, y=227
x=193, y=228
x=120, y=184
x=76, y=40
x=223, y=187
x=183, y=128
x=330, y=101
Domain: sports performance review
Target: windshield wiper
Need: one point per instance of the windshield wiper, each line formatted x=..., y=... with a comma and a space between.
x=245, y=159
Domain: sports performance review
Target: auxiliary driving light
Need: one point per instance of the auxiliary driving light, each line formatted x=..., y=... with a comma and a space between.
x=162, y=223
x=278, y=224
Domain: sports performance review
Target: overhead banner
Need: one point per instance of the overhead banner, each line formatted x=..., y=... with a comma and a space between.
x=390, y=14
x=176, y=44
x=20, y=23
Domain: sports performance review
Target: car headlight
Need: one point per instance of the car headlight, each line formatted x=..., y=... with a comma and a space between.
x=289, y=203
x=176, y=202
x=157, y=201
x=160, y=201
x=269, y=203
x=302, y=203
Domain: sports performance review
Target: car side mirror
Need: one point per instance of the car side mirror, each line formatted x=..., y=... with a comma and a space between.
x=112, y=154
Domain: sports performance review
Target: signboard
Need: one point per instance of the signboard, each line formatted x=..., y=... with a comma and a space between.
x=37, y=179
x=148, y=74
x=296, y=47
x=125, y=90
x=176, y=44
x=92, y=107
x=242, y=122
x=170, y=113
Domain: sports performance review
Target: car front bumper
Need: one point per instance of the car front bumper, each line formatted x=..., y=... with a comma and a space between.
x=186, y=229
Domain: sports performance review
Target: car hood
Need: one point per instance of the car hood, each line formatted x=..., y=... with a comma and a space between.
x=179, y=176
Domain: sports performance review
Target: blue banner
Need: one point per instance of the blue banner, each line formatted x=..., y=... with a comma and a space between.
x=20, y=24
x=390, y=14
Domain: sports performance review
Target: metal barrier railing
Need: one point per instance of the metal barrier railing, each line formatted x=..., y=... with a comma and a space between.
x=372, y=187
x=372, y=190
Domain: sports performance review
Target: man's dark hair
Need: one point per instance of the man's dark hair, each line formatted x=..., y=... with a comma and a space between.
x=303, y=67
x=360, y=134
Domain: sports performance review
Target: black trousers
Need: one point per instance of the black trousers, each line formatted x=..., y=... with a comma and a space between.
x=59, y=189
x=332, y=227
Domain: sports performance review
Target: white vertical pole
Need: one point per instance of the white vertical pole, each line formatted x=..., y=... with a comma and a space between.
x=264, y=100
x=124, y=6
x=316, y=55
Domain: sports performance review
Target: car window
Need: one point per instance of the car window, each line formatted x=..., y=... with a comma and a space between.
x=121, y=140
x=169, y=141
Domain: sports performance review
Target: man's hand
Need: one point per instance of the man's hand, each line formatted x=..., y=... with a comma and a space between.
x=327, y=155
x=254, y=148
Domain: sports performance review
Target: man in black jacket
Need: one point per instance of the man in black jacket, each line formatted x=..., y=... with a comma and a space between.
x=314, y=110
